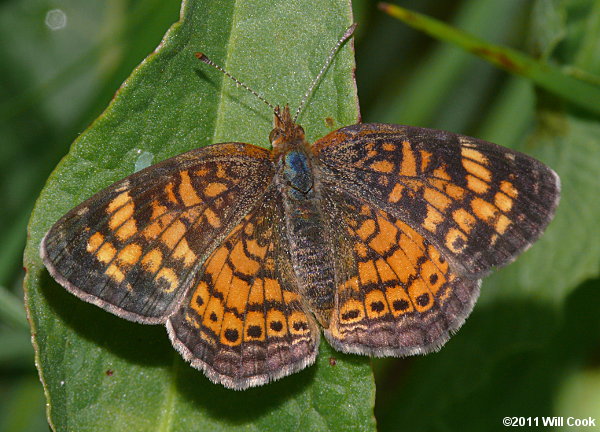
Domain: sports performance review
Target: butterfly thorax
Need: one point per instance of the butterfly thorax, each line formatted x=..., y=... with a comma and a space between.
x=304, y=220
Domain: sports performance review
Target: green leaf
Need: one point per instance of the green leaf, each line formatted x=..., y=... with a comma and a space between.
x=103, y=373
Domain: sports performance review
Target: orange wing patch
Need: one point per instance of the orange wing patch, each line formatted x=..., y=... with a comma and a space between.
x=235, y=292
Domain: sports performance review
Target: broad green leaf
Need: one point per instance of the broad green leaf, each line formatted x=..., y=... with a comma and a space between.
x=104, y=373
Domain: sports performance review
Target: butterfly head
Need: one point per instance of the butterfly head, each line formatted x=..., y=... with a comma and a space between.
x=286, y=134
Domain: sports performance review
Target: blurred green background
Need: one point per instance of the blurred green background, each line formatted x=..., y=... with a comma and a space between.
x=531, y=347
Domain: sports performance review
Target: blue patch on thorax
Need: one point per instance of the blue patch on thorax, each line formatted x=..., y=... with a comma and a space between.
x=297, y=171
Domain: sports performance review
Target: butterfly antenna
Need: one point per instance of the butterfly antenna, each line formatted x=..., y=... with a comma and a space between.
x=203, y=58
x=328, y=61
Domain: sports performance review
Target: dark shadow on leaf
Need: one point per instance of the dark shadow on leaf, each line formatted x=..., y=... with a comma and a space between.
x=239, y=407
x=139, y=344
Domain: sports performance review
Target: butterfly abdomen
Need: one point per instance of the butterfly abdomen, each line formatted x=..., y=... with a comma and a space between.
x=307, y=240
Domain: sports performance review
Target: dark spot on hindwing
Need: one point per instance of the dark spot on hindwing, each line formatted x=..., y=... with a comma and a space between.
x=231, y=335
x=350, y=315
x=400, y=305
x=299, y=325
x=377, y=306
x=254, y=331
x=423, y=300
x=276, y=326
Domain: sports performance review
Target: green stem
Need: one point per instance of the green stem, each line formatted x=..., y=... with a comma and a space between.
x=549, y=77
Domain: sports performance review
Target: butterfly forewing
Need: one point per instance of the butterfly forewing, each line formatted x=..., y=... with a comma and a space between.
x=134, y=248
x=480, y=204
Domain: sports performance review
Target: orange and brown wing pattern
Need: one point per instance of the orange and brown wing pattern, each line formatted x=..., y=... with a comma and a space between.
x=135, y=247
x=396, y=295
x=479, y=204
x=243, y=322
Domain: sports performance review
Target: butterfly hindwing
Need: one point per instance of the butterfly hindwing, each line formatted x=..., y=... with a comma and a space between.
x=480, y=204
x=134, y=248
x=243, y=321
x=395, y=293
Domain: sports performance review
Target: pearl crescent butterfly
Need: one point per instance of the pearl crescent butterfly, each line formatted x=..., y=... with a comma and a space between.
x=379, y=234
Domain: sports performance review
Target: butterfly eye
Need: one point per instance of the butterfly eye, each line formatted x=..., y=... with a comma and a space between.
x=274, y=135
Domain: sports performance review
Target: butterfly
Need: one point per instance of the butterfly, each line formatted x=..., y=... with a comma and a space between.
x=377, y=234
